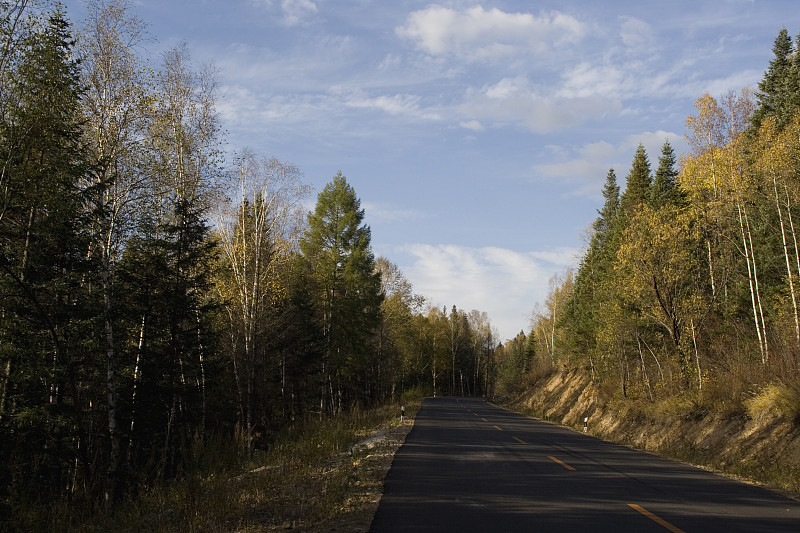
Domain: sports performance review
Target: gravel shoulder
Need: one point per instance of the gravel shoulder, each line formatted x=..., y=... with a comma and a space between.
x=369, y=461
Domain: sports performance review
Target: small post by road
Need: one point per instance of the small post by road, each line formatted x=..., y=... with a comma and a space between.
x=402, y=412
x=586, y=424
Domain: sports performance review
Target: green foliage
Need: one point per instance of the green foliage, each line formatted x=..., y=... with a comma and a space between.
x=777, y=94
x=347, y=295
x=688, y=295
x=639, y=182
x=665, y=190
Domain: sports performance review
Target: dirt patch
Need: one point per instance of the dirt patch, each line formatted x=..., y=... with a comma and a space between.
x=764, y=451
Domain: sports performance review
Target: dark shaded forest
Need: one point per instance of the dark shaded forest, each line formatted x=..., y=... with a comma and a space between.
x=158, y=299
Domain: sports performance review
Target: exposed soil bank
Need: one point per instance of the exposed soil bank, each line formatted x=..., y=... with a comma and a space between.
x=764, y=451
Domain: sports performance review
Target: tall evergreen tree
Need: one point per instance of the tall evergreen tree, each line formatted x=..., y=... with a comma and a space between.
x=337, y=247
x=595, y=270
x=46, y=321
x=773, y=99
x=665, y=190
x=639, y=181
x=610, y=208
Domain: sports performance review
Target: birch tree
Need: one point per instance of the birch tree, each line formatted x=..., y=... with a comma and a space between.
x=114, y=107
x=258, y=226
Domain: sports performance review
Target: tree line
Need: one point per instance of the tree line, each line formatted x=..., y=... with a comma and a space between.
x=156, y=298
x=689, y=283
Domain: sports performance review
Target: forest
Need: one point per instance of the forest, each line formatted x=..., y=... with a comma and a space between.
x=686, y=297
x=158, y=297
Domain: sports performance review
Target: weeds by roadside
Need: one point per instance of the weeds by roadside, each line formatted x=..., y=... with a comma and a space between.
x=312, y=475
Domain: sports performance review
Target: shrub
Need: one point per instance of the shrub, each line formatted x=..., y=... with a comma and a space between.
x=775, y=399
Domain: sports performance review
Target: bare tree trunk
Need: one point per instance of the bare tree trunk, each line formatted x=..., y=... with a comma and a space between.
x=112, y=485
x=789, y=272
x=697, y=358
x=765, y=357
x=644, y=368
x=751, y=282
x=711, y=270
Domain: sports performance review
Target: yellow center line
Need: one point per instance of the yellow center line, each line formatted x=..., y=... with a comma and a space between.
x=519, y=440
x=562, y=463
x=655, y=518
x=484, y=419
x=498, y=428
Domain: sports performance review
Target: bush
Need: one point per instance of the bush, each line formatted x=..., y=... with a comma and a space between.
x=775, y=399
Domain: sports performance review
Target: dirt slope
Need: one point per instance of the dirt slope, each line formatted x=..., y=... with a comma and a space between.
x=766, y=451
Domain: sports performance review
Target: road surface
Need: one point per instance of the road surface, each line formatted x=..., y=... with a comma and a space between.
x=470, y=466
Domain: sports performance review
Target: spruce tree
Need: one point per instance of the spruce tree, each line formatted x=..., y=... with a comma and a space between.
x=773, y=98
x=46, y=319
x=665, y=190
x=639, y=182
x=595, y=270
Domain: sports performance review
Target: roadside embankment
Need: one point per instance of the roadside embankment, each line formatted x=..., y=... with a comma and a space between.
x=764, y=449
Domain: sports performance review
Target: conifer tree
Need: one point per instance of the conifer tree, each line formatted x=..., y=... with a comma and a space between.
x=773, y=98
x=665, y=190
x=639, y=182
x=46, y=320
x=595, y=271
x=337, y=248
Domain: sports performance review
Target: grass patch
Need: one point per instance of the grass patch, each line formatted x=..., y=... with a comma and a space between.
x=307, y=477
x=775, y=399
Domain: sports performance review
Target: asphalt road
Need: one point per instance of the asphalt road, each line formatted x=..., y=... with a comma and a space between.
x=471, y=466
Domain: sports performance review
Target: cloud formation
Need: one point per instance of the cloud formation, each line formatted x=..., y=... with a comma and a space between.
x=477, y=34
x=504, y=283
x=587, y=165
x=515, y=101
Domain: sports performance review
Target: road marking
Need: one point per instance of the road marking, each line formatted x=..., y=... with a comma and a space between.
x=484, y=419
x=562, y=463
x=498, y=428
x=520, y=440
x=655, y=518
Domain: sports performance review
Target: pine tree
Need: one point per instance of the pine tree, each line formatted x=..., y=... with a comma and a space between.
x=595, y=270
x=337, y=247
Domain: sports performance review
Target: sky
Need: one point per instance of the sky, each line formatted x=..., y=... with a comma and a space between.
x=477, y=134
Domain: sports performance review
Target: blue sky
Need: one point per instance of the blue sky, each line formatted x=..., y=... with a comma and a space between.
x=477, y=134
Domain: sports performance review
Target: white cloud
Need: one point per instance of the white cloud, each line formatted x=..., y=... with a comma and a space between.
x=297, y=11
x=473, y=125
x=515, y=101
x=587, y=165
x=386, y=213
x=636, y=33
x=293, y=12
x=586, y=79
x=482, y=35
x=504, y=283
x=397, y=104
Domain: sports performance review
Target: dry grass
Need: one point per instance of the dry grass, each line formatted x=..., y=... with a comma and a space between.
x=775, y=399
x=312, y=477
